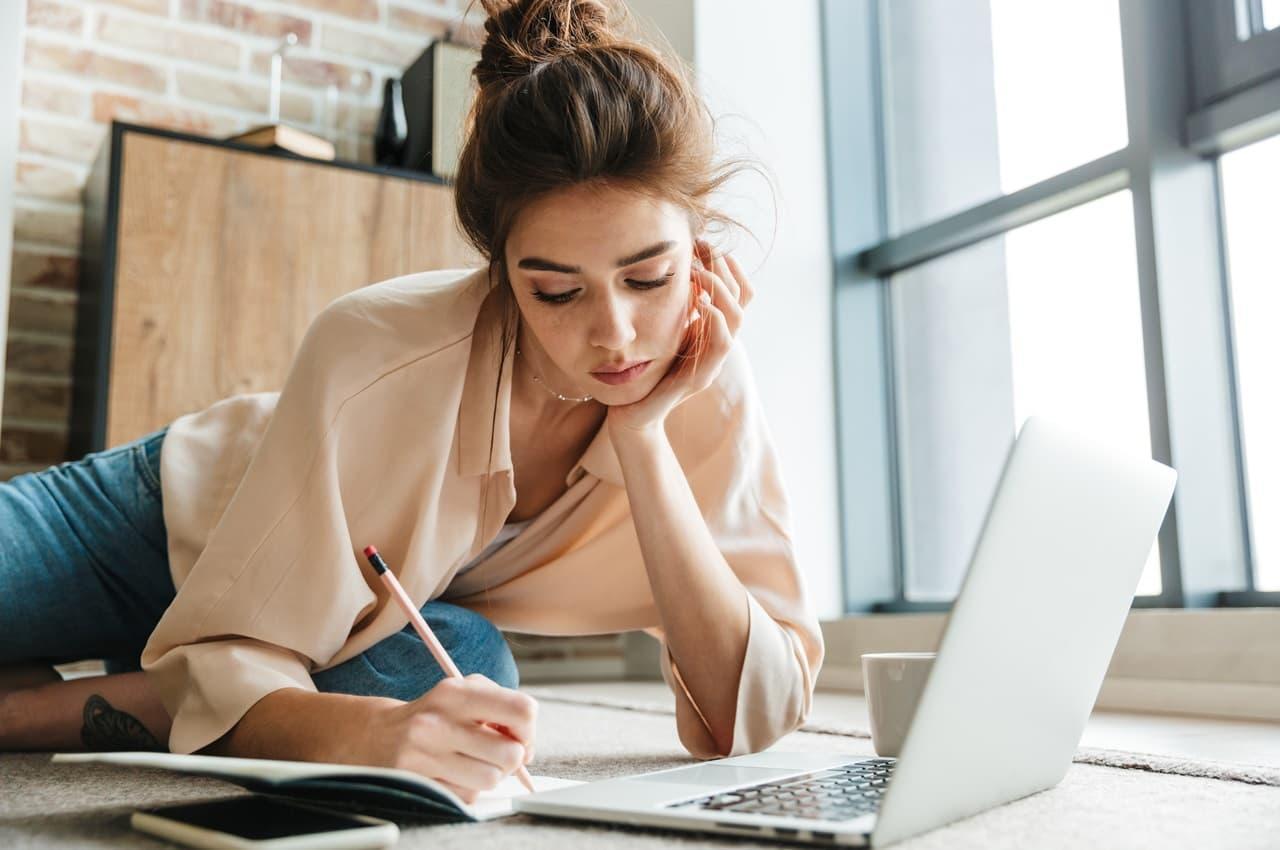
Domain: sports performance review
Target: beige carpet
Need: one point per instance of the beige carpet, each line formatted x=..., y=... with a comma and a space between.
x=653, y=698
x=1095, y=807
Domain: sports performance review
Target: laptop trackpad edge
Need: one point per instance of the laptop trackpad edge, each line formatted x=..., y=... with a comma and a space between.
x=715, y=775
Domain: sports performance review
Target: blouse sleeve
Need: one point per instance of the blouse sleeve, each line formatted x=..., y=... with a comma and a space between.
x=278, y=586
x=738, y=485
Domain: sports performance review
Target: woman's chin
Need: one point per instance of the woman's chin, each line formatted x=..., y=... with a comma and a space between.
x=624, y=394
x=620, y=396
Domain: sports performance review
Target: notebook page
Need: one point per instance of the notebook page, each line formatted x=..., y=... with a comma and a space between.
x=496, y=802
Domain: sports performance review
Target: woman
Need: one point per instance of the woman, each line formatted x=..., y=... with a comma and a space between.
x=566, y=441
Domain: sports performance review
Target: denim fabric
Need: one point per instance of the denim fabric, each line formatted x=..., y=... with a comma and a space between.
x=84, y=573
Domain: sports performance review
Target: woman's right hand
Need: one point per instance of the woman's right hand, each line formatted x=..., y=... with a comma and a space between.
x=444, y=735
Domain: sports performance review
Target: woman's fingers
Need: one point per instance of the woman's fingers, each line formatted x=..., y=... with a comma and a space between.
x=470, y=773
x=717, y=264
x=729, y=271
x=467, y=795
x=745, y=290
x=471, y=757
x=482, y=700
x=722, y=270
x=719, y=341
x=723, y=299
x=720, y=303
x=490, y=746
x=723, y=329
x=700, y=371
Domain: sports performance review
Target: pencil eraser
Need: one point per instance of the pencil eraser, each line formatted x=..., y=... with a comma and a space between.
x=370, y=551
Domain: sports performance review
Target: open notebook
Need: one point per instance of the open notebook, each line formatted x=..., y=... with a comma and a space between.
x=376, y=791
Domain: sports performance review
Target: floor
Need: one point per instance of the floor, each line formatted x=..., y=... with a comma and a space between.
x=45, y=805
x=1234, y=741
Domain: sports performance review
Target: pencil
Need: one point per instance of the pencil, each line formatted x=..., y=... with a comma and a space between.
x=430, y=639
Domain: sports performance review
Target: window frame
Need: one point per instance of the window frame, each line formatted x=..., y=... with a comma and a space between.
x=1236, y=83
x=1176, y=133
x=1223, y=63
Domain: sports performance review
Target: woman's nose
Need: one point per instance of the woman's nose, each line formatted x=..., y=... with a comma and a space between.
x=611, y=325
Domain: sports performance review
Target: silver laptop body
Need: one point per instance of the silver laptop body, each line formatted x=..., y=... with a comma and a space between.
x=1019, y=666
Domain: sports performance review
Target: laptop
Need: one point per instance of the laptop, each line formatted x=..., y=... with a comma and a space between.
x=1020, y=663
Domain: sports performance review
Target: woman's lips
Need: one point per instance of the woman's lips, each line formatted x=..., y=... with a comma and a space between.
x=615, y=378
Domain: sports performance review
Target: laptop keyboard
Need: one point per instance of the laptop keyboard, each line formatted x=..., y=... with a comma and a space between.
x=839, y=793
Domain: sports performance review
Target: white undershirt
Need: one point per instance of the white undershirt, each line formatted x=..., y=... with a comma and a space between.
x=505, y=535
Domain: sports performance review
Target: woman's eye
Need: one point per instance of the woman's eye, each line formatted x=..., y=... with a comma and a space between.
x=565, y=297
x=652, y=284
x=558, y=298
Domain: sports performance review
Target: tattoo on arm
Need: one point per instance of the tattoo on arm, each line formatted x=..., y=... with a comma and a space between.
x=108, y=728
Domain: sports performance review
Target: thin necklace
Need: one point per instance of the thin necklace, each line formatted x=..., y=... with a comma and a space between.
x=538, y=378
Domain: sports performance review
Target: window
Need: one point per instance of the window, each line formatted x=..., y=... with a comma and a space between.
x=985, y=98
x=1270, y=14
x=1251, y=210
x=1056, y=307
x=996, y=201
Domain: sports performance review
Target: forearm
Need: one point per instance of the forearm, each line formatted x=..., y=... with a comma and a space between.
x=299, y=725
x=701, y=604
x=19, y=676
x=116, y=712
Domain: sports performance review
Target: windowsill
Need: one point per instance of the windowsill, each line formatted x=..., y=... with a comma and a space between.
x=1220, y=663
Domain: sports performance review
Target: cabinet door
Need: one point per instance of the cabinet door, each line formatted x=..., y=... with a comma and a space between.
x=224, y=257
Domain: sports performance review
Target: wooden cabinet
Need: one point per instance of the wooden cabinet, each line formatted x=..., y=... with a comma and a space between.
x=203, y=263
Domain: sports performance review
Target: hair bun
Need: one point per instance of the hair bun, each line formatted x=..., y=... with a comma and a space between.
x=520, y=35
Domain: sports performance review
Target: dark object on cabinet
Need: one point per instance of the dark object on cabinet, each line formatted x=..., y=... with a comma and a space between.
x=392, y=132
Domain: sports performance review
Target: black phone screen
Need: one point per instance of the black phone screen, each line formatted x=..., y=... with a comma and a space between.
x=258, y=818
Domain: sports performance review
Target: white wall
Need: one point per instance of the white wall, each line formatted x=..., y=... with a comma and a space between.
x=759, y=65
x=12, y=18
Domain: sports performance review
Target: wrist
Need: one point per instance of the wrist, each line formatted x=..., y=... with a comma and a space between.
x=371, y=715
x=298, y=725
x=10, y=720
x=629, y=438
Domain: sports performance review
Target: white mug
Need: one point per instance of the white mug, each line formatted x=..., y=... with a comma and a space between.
x=892, y=682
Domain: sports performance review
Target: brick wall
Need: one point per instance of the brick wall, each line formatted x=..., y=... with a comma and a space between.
x=200, y=66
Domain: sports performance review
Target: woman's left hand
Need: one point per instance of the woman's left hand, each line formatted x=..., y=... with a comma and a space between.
x=725, y=293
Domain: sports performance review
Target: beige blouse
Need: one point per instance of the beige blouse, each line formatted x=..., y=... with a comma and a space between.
x=381, y=435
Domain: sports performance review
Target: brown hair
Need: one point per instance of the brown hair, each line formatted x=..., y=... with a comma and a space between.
x=568, y=96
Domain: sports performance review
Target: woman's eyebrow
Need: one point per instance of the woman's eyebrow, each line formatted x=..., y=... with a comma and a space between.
x=541, y=265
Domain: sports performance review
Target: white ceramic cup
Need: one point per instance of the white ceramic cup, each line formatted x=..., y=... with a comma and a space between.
x=892, y=682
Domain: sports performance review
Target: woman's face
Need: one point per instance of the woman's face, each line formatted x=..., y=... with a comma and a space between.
x=601, y=277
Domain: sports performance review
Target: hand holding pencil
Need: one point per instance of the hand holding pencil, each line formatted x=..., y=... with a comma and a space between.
x=433, y=643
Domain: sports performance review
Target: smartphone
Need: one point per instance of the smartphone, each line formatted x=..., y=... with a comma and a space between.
x=263, y=823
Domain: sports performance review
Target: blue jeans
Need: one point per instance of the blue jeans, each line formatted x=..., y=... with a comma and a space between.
x=84, y=573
